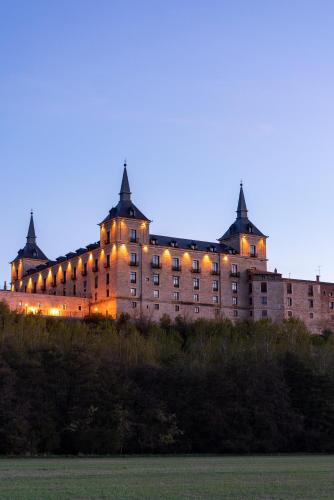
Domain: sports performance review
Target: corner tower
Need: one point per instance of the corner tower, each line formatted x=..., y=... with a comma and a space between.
x=243, y=235
x=29, y=256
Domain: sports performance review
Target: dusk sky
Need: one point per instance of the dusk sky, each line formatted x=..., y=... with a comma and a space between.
x=195, y=94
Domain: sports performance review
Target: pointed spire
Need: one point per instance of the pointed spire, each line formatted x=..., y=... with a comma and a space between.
x=242, y=207
x=31, y=236
x=125, y=193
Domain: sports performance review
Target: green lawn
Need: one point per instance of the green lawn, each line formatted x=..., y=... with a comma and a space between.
x=259, y=477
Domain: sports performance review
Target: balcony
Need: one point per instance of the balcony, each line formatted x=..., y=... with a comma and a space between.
x=73, y=277
x=196, y=270
x=176, y=268
x=155, y=265
x=134, y=263
x=235, y=274
x=95, y=269
x=215, y=273
x=107, y=265
x=84, y=272
x=54, y=284
x=254, y=255
x=134, y=240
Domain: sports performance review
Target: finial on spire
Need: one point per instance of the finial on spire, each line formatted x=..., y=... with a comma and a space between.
x=242, y=207
x=125, y=193
x=31, y=236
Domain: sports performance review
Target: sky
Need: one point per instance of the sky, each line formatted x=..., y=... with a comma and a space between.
x=196, y=95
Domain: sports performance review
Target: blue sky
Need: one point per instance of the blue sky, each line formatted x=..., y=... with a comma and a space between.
x=196, y=95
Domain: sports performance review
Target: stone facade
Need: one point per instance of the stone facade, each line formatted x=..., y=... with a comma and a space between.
x=129, y=270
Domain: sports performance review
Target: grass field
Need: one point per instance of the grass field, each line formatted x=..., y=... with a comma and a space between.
x=259, y=477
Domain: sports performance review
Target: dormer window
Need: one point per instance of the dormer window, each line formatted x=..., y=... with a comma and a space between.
x=131, y=212
x=193, y=246
x=250, y=229
x=173, y=243
x=212, y=248
x=153, y=241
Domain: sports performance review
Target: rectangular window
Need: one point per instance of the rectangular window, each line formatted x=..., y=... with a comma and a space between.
x=196, y=283
x=214, y=268
x=107, y=279
x=264, y=287
x=156, y=279
x=176, y=264
x=133, y=292
x=96, y=282
x=234, y=269
x=107, y=261
x=196, y=310
x=289, y=288
x=156, y=306
x=176, y=296
x=133, y=235
x=133, y=277
x=195, y=266
x=176, y=281
x=234, y=286
x=310, y=303
x=252, y=250
x=74, y=289
x=250, y=301
x=250, y=288
x=107, y=292
x=235, y=313
x=196, y=297
x=311, y=315
x=264, y=313
x=108, y=238
x=156, y=294
x=215, y=299
x=289, y=302
x=331, y=305
x=177, y=308
x=310, y=290
x=134, y=305
x=133, y=259
x=264, y=301
x=156, y=261
x=96, y=265
x=235, y=301
x=215, y=286
x=54, y=280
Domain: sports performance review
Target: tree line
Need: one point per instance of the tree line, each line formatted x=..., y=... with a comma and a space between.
x=103, y=386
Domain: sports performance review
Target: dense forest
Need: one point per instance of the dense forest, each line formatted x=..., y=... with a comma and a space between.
x=100, y=386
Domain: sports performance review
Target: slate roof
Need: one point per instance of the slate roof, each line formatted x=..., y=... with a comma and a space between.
x=31, y=250
x=125, y=207
x=186, y=244
x=242, y=224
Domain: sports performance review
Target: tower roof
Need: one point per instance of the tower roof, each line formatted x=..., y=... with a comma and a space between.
x=242, y=224
x=125, y=207
x=31, y=250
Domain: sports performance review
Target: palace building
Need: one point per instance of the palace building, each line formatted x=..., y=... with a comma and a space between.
x=130, y=270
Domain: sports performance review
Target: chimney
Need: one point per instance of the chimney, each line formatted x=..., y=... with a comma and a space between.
x=318, y=277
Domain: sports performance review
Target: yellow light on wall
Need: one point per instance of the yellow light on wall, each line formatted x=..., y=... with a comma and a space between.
x=225, y=259
x=54, y=311
x=145, y=248
x=96, y=309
